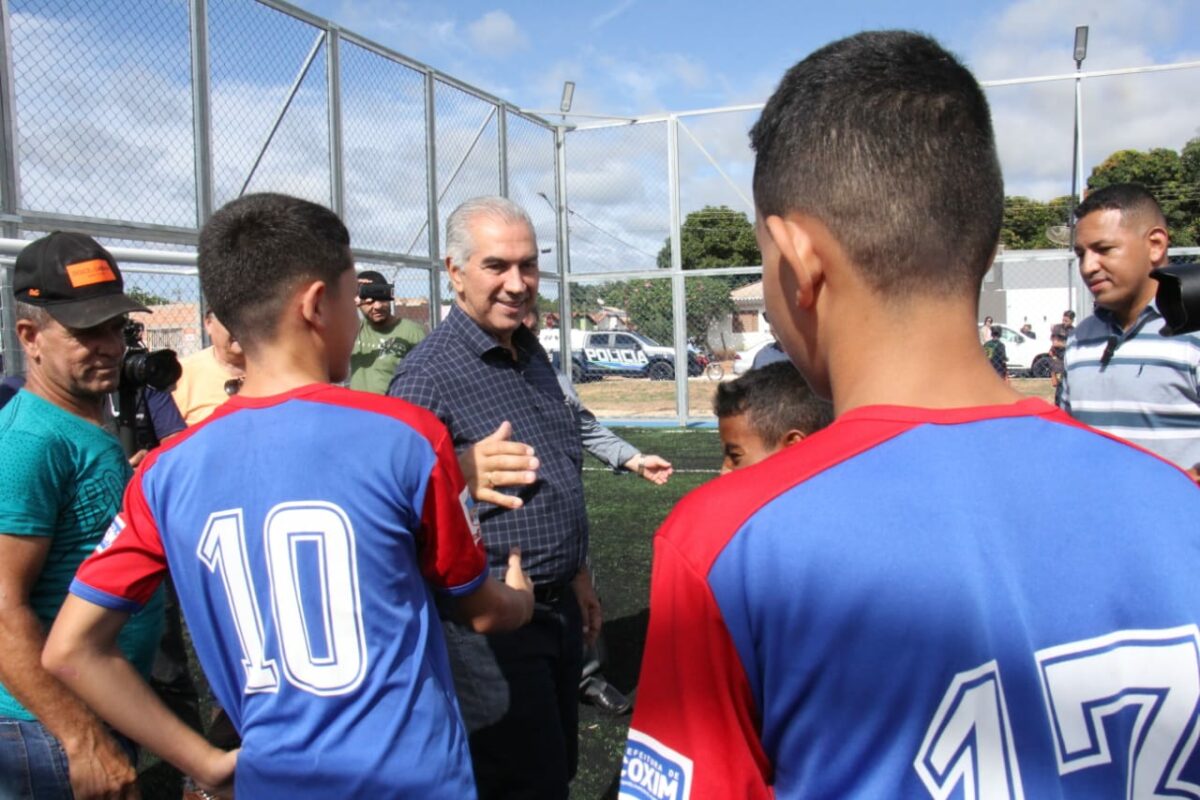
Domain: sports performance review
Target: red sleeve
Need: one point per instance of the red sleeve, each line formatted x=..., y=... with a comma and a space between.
x=695, y=731
x=129, y=563
x=450, y=549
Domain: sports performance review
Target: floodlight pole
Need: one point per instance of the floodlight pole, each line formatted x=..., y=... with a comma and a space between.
x=1081, y=38
x=1080, y=53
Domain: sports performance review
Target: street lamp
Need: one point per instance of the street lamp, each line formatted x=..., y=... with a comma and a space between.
x=1081, y=40
x=569, y=94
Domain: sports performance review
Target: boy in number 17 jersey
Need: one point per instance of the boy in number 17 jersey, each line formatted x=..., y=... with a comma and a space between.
x=952, y=591
x=304, y=526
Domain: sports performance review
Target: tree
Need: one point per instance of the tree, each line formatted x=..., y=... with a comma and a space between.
x=648, y=303
x=144, y=297
x=714, y=236
x=1169, y=176
x=1026, y=221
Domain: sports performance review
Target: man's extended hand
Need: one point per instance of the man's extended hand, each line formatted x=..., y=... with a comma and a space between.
x=99, y=768
x=589, y=605
x=495, y=462
x=655, y=469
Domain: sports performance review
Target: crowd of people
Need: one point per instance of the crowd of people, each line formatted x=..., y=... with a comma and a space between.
x=388, y=585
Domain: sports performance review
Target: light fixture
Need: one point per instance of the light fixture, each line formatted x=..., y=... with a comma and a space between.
x=1081, y=37
x=567, y=96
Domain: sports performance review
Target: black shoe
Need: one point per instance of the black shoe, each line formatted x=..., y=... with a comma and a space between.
x=606, y=697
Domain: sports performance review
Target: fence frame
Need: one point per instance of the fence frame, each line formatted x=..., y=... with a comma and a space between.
x=14, y=218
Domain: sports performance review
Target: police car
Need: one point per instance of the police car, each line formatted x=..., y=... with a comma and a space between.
x=595, y=354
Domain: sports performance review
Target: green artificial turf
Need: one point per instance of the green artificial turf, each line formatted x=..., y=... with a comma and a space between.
x=624, y=511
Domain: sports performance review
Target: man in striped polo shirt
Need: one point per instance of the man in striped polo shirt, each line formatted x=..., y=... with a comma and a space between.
x=1124, y=375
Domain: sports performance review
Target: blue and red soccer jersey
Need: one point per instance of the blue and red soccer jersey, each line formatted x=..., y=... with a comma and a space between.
x=983, y=603
x=303, y=532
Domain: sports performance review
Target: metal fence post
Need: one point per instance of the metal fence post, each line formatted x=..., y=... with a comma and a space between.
x=201, y=131
x=431, y=201
x=565, y=322
x=678, y=288
x=333, y=80
x=502, y=138
x=14, y=361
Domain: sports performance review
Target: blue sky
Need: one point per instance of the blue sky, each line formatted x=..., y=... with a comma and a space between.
x=641, y=56
x=90, y=119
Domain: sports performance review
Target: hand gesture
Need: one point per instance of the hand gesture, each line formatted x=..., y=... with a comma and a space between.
x=589, y=605
x=516, y=579
x=495, y=462
x=656, y=469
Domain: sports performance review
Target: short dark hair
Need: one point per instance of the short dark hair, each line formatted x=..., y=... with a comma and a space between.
x=996, y=331
x=257, y=249
x=775, y=400
x=887, y=139
x=1069, y=314
x=1131, y=199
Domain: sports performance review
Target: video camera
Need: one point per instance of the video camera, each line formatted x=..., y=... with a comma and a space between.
x=375, y=291
x=1178, y=297
x=141, y=367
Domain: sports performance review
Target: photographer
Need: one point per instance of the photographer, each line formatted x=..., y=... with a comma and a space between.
x=384, y=339
x=150, y=414
x=61, y=481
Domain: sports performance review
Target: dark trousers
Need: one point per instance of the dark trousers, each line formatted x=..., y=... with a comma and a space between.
x=518, y=693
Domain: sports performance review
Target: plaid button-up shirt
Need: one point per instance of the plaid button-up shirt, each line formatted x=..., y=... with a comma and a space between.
x=471, y=382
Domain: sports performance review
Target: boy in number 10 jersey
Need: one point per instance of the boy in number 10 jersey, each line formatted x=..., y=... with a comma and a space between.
x=304, y=526
x=862, y=615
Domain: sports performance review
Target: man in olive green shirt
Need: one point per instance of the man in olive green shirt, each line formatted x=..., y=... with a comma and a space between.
x=384, y=339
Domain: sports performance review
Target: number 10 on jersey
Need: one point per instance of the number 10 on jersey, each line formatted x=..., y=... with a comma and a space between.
x=322, y=530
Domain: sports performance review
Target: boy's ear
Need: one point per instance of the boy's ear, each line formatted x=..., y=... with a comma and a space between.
x=801, y=264
x=791, y=437
x=314, y=302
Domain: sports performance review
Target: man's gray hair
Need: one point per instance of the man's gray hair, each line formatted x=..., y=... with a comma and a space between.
x=35, y=314
x=459, y=243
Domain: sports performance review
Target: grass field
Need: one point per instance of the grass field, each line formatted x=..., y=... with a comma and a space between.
x=624, y=511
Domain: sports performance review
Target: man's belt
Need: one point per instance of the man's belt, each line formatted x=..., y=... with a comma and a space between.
x=550, y=593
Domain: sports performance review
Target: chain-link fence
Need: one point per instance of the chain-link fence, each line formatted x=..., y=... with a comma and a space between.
x=190, y=105
x=637, y=190
x=645, y=227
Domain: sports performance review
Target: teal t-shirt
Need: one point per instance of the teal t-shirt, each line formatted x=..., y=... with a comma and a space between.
x=63, y=477
x=376, y=353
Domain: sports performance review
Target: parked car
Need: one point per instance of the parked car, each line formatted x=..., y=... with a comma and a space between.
x=595, y=354
x=1025, y=355
x=743, y=360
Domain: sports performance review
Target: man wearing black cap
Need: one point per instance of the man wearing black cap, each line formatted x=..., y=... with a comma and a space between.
x=61, y=480
x=384, y=339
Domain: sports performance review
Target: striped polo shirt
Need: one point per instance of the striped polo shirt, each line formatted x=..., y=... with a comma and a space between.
x=1139, y=384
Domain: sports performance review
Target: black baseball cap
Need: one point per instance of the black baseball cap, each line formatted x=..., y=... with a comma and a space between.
x=73, y=278
x=371, y=276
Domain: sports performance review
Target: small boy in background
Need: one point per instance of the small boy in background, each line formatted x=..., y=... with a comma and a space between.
x=764, y=411
x=996, y=354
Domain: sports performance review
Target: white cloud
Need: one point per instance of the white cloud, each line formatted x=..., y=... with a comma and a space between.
x=602, y=19
x=496, y=34
x=1035, y=123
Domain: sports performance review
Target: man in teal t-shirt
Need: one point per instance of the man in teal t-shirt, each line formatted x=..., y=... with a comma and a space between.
x=383, y=338
x=62, y=477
